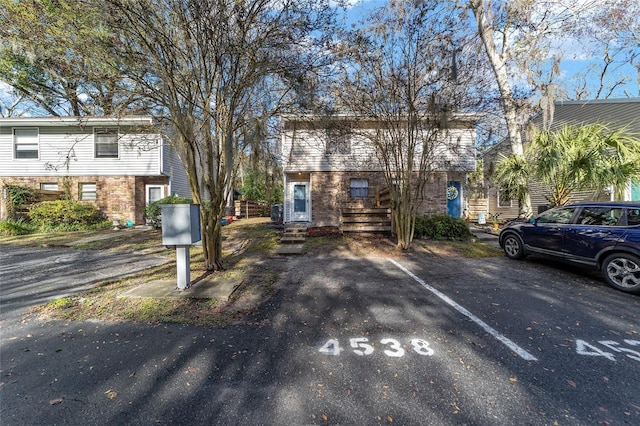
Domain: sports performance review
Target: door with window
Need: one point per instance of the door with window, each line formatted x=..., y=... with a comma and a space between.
x=300, y=202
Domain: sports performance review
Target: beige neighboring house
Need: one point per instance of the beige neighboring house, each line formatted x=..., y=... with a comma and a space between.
x=615, y=113
x=332, y=177
x=118, y=164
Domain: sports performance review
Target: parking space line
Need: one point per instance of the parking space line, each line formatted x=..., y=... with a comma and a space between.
x=508, y=343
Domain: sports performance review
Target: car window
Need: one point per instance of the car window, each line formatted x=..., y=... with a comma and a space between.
x=556, y=216
x=633, y=217
x=599, y=216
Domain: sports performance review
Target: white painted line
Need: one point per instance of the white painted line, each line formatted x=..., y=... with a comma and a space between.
x=511, y=345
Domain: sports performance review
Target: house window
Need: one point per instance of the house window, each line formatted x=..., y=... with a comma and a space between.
x=49, y=186
x=87, y=192
x=106, y=143
x=338, y=141
x=359, y=188
x=504, y=200
x=25, y=143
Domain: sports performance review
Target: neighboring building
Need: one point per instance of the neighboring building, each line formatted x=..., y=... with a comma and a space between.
x=615, y=113
x=331, y=170
x=119, y=164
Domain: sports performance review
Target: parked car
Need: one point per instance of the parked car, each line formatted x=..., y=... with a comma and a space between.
x=603, y=235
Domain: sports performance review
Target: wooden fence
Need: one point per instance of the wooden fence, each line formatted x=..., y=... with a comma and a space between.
x=247, y=209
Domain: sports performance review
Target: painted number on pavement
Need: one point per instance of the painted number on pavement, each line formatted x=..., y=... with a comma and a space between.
x=611, y=349
x=362, y=347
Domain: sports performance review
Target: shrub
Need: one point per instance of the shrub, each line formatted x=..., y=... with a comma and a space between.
x=153, y=210
x=17, y=198
x=440, y=227
x=65, y=215
x=16, y=227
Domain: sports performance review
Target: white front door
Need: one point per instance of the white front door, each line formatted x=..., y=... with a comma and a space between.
x=300, y=204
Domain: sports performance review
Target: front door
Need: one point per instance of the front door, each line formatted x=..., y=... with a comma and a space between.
x=454, y=199
x=300, y=205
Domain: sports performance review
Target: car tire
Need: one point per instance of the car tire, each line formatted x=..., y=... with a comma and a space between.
x=622, y=271
x=513, y=246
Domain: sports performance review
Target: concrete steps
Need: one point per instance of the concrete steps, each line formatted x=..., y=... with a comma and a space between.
x=293, y=238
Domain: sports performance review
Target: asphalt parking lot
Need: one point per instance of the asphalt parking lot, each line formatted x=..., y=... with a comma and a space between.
x=344, y=340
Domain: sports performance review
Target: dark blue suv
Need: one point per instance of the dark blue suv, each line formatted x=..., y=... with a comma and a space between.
x=604, y=235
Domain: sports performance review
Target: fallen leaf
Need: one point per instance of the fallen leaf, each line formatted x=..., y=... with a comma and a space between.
x=324, y=417
x=389, y=419
x=111, y=394
x=55, y=401
x=513, y=379
x=571, y=383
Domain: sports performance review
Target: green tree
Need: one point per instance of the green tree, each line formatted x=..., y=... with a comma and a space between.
x=58, y=55
x=570, y=159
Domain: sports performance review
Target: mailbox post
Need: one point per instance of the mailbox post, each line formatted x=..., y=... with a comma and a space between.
x=181, y=228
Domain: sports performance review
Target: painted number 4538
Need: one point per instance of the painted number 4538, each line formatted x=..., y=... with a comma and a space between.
x=361, y=346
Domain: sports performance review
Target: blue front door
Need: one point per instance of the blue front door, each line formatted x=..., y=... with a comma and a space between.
x=454, y=199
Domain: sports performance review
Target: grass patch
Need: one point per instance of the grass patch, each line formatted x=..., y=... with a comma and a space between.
x=466, y=249
x=246, y=244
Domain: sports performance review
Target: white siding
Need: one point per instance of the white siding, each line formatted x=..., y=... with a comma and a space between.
x=305, y=150
x=139, y=154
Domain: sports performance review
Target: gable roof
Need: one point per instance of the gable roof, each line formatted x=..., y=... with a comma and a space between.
x=614, y=113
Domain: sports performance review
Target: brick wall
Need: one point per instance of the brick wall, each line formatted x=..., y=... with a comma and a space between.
x=330, y=192
x=118, y=197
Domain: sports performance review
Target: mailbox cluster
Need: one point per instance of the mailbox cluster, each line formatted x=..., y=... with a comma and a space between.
x=181, y=228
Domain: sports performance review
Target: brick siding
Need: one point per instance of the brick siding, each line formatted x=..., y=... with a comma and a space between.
x=118, y=197
x=330, y=192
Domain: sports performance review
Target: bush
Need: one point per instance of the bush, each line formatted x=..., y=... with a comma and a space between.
x=15, y=227
x=440, y=227
x=66, y=215
x=17, y=198
x=153, y=210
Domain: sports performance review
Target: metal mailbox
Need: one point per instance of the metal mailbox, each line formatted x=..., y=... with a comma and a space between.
x=180, y=224
x=181, y=228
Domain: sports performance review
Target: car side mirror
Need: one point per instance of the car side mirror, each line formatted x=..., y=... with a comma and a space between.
x=532, y=221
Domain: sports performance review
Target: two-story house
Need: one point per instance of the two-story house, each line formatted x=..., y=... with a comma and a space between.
x=120, y=164
x=616, y=114
x=330, y=167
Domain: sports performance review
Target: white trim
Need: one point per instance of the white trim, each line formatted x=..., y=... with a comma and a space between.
x=15, y=145
x=147, y=187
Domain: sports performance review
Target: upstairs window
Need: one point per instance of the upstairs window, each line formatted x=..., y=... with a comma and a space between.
x=25, y=143
x=359, y=188
x=338, y=140
x=106, y=143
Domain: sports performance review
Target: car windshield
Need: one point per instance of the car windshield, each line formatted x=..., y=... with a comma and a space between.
x=560, y=215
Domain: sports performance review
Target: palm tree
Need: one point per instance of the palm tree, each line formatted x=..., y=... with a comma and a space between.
x=570, y=159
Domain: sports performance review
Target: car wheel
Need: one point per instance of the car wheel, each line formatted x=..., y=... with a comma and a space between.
x=622, y=271
x=513, y=247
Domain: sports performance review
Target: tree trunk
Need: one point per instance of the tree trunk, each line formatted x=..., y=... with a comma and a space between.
x=499, y=66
